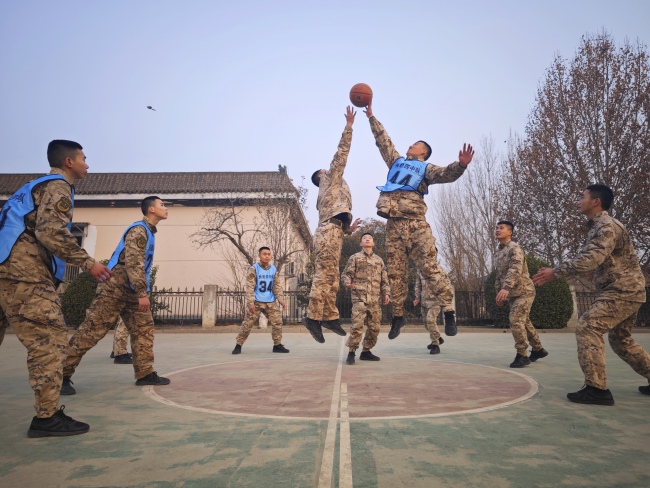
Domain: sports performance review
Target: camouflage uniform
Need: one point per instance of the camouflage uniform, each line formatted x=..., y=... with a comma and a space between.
x=120, y=338
x=430, y=308
x=512, y=275
x=608, y=252
x=407, y=232
x=27, y=290
x=271, y=310
x=368, y=275
x=116, y=298
x=334, y=206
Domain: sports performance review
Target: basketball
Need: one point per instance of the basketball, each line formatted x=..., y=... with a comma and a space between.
x=361, y=95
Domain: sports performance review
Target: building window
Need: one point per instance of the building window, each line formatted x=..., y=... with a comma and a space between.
x=80, y=231
x=289, y=269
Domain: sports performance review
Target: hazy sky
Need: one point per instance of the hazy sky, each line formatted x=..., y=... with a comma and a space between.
x=248, y=85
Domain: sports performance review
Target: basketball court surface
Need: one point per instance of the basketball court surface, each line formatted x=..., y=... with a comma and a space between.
x=462, y=418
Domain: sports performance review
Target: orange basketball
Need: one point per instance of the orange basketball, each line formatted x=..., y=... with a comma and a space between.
x=361, y=95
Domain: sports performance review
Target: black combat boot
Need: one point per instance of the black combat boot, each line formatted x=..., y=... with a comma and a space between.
x=435, y=349
x=123, y=359
x=368, y=356
x=237, y=349
x=591, y=395
x=66, y=387
x=350, y=359
x=450, y=324
x=280, y=348
x=441, y=341
x=395, y=326
x=520, y=361
x=334, y=326
x=153, y=379
x=535, y=355
x=645, y=389
x=58, y=424
x=314, y=328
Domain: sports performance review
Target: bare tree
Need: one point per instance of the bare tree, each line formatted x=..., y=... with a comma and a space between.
x=278, y=223
x=589, y=125
x=464, y=217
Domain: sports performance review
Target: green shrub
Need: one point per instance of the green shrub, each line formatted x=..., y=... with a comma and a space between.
x=77, y=297
x=553, y=304
x=81, y=291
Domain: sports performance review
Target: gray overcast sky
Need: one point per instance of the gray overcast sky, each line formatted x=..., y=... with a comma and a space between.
x=248, y=85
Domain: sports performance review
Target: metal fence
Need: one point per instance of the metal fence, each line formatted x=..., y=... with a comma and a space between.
x=177, y=307
x=185, y=307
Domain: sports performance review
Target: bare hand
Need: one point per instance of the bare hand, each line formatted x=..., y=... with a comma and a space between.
x=349, y=116
x=386, y=300
x=368, y=110
x=100, y=272
x=465, y=155
x=415, y=302
x=543, y=276
x=502, y=296
x=284, y=305
x=143, y=304
x=251, y=308
x=355, y=225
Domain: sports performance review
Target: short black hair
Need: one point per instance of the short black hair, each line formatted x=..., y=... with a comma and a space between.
x=603, y=193
x=366, y=234
x=262, y=248
x=148, y=202
x=315, y=179
x=508, y=223
x=59, y=149
x=428, y=149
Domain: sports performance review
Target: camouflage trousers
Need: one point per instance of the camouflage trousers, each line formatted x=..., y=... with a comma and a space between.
x=407, y=238
x=431, y=316
x=370, y=315
x=120, y=338
x=4, y=323
x=616, y=317
x=100, y=318
x=521, y=327
x=328, y=240
x=272, y=313
x=34, y=312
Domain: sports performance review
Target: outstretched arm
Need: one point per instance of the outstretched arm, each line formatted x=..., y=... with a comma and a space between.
x=383, y=141
x=337, y=167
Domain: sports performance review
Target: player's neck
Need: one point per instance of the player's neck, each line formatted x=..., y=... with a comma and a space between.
x=504, y=240
x=367, y=250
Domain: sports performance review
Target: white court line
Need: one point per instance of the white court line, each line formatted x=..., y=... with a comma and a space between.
x=345, y=449
x=327, y=464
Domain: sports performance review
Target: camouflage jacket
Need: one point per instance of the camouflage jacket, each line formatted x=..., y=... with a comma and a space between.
x=46, y=233
x=129, y=270
x=512, y=271
x=368, y=275
x=334, y=196
x=408, y=204
x=251, y=279
x=609, y=253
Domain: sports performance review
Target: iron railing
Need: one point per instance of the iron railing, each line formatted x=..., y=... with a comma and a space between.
x=177, y=307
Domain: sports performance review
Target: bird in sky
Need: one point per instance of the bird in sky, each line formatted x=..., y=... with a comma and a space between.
x=151, y=108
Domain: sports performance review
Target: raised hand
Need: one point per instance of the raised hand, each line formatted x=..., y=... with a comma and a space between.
x=368, y=110
x=355, y=225
x=349, y=116
x=465, y=155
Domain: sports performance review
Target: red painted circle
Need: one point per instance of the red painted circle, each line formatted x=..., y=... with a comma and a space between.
x=303, y=388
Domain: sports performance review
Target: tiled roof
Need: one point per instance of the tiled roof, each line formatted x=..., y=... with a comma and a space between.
x=165, y=183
